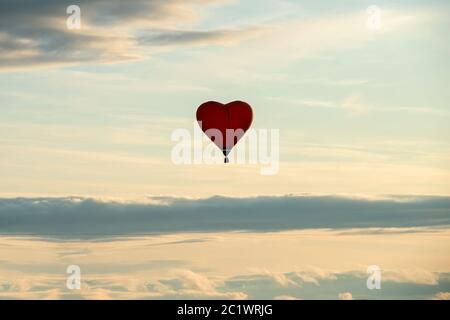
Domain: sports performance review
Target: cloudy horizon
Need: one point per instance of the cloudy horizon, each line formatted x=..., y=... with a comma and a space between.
x=85, y=217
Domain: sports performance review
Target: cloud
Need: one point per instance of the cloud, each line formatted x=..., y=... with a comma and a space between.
x=86, y=217
x=386, y=231
x=411, y=275
x=176, y=37
x=195, y=284
x=418, y=276
x=442, y=296
x=355, y=105
x=170, y=284
x=345, y=296
x=285, y=297
x=35, y=34
x=188, y=283
x=293, y=279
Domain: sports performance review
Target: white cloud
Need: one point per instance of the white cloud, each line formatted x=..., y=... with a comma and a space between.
x=187, y=283
x=285, y=297
x=442, y=296
x=355, y=105
x=345, y=296
x=418, y=276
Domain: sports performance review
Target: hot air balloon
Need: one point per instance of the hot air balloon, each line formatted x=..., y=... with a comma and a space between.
x=232, y=120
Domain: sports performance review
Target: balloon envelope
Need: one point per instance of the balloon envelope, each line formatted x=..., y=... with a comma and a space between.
x=225, y=124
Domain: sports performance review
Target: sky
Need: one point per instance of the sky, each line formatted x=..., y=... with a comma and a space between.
x=86, y=122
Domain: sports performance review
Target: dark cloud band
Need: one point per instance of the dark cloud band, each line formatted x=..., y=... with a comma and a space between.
x=89, y=217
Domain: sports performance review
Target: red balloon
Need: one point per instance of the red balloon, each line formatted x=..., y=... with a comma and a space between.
x=236, y=115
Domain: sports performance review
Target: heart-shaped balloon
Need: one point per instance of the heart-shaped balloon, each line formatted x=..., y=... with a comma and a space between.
x=225, y=124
